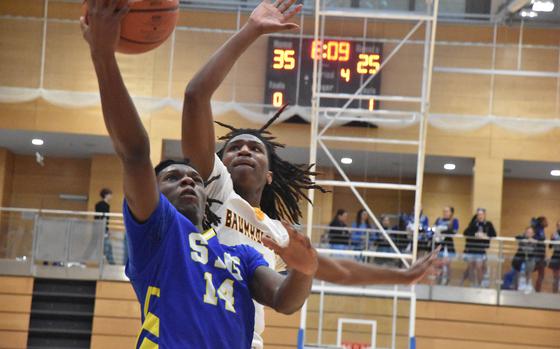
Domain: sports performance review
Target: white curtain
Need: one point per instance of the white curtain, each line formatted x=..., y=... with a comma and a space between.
x=255, y=113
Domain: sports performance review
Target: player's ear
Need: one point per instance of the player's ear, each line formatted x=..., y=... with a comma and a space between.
x=269, y=176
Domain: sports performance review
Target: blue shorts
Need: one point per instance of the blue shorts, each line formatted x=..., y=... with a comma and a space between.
x=450, y=255
x=474, y=257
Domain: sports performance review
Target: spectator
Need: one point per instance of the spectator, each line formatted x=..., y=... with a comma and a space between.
x=444, y=227
x=478, y=235
x=104, y=207
x=540, y=224
x=524, y=260
x=359, y=237
x=339, y=238
x=382, y=245
x=555, y=259
x=406, y=223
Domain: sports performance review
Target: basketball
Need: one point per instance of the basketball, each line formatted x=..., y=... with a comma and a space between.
x=148, y=24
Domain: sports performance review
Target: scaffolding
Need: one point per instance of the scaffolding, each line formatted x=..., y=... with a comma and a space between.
x=319, y=139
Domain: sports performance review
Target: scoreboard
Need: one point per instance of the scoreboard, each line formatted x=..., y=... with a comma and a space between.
x=346, y=65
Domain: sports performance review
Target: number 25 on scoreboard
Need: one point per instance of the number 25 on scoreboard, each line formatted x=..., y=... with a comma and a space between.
x=368, y=64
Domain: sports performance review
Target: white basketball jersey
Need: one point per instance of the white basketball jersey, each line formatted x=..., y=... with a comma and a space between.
x=242, y=224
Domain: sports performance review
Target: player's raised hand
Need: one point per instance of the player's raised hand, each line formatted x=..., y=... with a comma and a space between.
x=427, y=266
x=274, y=16
x=299, y=254
x=102, y=27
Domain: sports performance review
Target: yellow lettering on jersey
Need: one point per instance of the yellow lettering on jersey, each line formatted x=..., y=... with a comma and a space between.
x=152, y=291
x=151, y=324
x=210, y=295
x=219, y=264
x=225, y=292
x=151, y=321
x=232, y=263
x=197, y=244
x=148, y=344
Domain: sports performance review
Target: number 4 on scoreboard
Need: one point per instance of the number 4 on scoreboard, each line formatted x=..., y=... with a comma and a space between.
x=345, y=74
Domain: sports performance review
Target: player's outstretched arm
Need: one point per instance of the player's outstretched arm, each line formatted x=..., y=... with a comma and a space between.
x=131, y=142
x=287, y=294
x=347, y=272
x=198, y=140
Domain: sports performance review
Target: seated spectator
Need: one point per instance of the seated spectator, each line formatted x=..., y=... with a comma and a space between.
x=339, y=237
x=555, y=259
x=406, y=223
x=103, y=206
x=444, y=227
x=360, y=237
x=382, y=245
x=540, y=224
x=478, y=235
x=524, y=260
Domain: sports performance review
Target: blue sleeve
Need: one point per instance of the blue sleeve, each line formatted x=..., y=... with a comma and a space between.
x=144, y=239
x=425, y=222
x=252, y=259
x=455, y=225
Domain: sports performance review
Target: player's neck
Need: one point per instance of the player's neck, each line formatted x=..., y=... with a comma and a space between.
x=251, y=195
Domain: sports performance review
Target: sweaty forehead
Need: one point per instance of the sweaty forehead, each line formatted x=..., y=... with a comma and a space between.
x=246, y=138
x=181, y=168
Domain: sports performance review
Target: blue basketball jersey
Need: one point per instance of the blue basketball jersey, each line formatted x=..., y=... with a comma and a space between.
x=193, y=291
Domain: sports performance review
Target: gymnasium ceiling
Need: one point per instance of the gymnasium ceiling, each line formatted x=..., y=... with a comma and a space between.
x=374, y=164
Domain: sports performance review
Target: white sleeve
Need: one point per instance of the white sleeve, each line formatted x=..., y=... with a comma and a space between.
x=222, y=187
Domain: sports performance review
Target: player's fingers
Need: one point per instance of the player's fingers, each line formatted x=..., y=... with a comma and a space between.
x=292, y=233
x=268, y=242
x=112, y=6
x=286, y=5
x=292, y=12
x=290, y=26
x=278, y=3
x=123, y=11
x=83, y=25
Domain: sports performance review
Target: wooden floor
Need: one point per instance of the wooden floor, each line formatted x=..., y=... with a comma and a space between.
x=439, y=325
x=15, y=307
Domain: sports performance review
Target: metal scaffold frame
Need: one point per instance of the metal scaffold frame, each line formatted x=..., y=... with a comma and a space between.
x=318, y=139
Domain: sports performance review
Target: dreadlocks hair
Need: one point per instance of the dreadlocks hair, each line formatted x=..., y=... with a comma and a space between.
x=290, y=182
x=210, y=218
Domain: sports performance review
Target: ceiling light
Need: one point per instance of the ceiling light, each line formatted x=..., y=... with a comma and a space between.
x=527, y=13
x=37, y=141
x=555, y=173
x=543, y=6
x=346, y=161
x=449, y=167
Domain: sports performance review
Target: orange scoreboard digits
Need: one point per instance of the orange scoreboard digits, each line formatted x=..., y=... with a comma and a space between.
x=344, y=64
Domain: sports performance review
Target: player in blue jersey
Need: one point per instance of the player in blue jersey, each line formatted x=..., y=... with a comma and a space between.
x=194, y=292
x=250, y=170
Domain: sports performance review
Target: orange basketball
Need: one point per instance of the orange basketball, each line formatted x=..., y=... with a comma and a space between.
x=147, y=25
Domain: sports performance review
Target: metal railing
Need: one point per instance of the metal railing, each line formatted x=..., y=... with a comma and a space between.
x=61, y=238
x=500, y=263
x=507, y=267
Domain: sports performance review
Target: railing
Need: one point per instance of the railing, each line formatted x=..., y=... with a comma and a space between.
x=500, y=264
x=61, y=238
x=502, y=273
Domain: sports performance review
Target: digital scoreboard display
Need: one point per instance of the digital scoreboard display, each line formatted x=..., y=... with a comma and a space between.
x=346, y=65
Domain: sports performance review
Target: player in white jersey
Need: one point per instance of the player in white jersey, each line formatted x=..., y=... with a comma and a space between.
x=248, y=167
